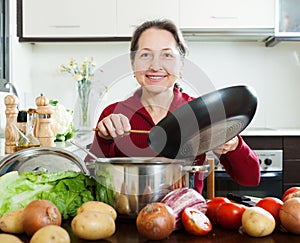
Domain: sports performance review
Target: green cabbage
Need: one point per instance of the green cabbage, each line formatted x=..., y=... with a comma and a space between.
x=68, y=190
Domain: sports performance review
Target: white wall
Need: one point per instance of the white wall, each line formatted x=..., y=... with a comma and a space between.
x=273, y=71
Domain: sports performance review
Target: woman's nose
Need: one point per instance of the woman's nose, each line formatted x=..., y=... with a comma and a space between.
x=156, y=63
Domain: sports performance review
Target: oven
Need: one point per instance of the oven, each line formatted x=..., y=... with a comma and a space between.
x=271, y=177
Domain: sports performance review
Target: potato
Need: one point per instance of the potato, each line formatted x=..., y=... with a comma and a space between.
x=7, y=238
x=98, y=206
x=93, y=225
x=258, y=222
x=122, y=204
x=51, y=233
x=11, y=222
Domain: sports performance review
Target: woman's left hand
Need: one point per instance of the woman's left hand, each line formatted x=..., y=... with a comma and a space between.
x=231, y=145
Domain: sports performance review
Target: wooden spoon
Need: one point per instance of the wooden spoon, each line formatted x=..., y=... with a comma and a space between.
x=131, y=131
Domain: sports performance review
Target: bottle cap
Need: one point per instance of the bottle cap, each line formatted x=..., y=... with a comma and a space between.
x=22, y=116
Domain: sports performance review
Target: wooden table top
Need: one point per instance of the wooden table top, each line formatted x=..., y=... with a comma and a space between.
x=126, y=232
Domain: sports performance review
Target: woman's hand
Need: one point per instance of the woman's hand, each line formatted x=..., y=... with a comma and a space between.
x=231, y=145
x=112, y=126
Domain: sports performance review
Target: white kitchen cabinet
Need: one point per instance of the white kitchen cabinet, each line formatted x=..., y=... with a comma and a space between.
x=131, y=13
x=68, y=18
x=213, y=14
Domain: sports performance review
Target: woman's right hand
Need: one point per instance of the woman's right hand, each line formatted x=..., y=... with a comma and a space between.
x=112, y=126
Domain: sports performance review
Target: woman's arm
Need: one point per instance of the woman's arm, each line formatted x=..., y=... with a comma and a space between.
x=242, y=164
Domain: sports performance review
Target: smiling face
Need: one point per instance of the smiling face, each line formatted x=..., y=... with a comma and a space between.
x=157, y=63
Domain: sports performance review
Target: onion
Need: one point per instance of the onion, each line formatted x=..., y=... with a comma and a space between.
x=38, y=214
x=155, y=221
x=290, y=215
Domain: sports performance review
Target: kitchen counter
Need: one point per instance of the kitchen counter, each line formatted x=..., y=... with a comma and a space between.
x=271, y=132
x=127, y=232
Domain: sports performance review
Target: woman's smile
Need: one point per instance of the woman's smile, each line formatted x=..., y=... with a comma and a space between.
x=155, y=78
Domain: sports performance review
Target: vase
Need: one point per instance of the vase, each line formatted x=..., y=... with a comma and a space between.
x=84, y=90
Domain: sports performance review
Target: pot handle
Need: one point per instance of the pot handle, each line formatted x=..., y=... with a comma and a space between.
x=196, y=168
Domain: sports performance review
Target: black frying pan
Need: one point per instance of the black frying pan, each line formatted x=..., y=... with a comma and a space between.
x=204, y=123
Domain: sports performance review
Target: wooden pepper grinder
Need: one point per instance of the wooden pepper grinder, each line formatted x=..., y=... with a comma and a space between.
x=11, y=112
x=44, y=131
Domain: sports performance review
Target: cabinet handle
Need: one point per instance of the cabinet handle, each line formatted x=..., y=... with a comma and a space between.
x=64, y=26
x=224, y=17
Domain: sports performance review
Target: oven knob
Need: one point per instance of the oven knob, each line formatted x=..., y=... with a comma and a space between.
x=268, y=162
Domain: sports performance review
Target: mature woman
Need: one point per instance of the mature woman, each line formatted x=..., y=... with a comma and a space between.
x=157, y=56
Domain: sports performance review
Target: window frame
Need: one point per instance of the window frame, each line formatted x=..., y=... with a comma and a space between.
x=4, y=45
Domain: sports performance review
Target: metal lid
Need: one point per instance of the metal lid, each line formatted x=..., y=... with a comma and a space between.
x=50, y=159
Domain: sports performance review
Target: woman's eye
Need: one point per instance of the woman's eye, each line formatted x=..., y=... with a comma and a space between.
x=145, y=55
x=168, y=55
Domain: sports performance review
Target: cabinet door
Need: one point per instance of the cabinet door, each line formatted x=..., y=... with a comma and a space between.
x=288, y=18
x=131, y=13
x=69, y=18
x=227, y=14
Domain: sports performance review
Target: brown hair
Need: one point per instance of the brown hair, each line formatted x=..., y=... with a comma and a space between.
x=162, y=24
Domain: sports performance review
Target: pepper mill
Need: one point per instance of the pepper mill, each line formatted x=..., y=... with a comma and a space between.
x=11, y=112
x=44, y=131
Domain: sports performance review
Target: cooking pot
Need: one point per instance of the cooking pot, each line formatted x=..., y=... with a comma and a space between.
x=135, y=181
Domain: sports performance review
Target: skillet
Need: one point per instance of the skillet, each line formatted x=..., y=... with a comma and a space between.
x=204, y=123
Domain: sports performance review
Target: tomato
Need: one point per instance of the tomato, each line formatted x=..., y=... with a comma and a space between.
x=212, y=207
x=229, y=215
x=272, y=205
x=195, y=222
x=291, y=192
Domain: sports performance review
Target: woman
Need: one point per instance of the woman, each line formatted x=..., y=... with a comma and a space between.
x=157, y=55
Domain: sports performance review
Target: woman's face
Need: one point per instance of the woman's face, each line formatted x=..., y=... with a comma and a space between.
x=157, y=63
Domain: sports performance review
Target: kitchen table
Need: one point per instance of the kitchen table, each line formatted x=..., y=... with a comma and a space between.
x=126, y=232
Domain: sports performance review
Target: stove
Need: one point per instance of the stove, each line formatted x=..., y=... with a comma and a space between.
x=271, y=164
x=270, y=160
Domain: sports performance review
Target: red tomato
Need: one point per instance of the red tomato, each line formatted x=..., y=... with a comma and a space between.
x=195, y=222
x=291, y=192
x=212, y=207
x=229, y=215
x=272, y=205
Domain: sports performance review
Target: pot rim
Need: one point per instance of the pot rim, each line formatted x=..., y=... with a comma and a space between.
x=142, y=161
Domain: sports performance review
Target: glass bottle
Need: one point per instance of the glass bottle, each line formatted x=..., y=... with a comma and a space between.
x=22, y=141
x=33, y=141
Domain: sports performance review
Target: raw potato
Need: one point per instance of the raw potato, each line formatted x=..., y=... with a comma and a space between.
x=51, y=233
x=258, y=222
x=98, y=206
x=11, y=222
x=7, y=238
x=122, y=204
x=93, y=225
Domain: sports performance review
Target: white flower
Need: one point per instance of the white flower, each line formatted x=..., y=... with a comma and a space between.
x=63, y=118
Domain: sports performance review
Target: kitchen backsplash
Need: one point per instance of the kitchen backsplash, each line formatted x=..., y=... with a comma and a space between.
x=273, y=72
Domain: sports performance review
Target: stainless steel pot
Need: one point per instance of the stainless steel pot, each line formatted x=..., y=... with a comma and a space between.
x=137, y=181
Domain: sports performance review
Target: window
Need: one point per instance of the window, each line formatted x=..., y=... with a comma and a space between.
x=4, y=51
